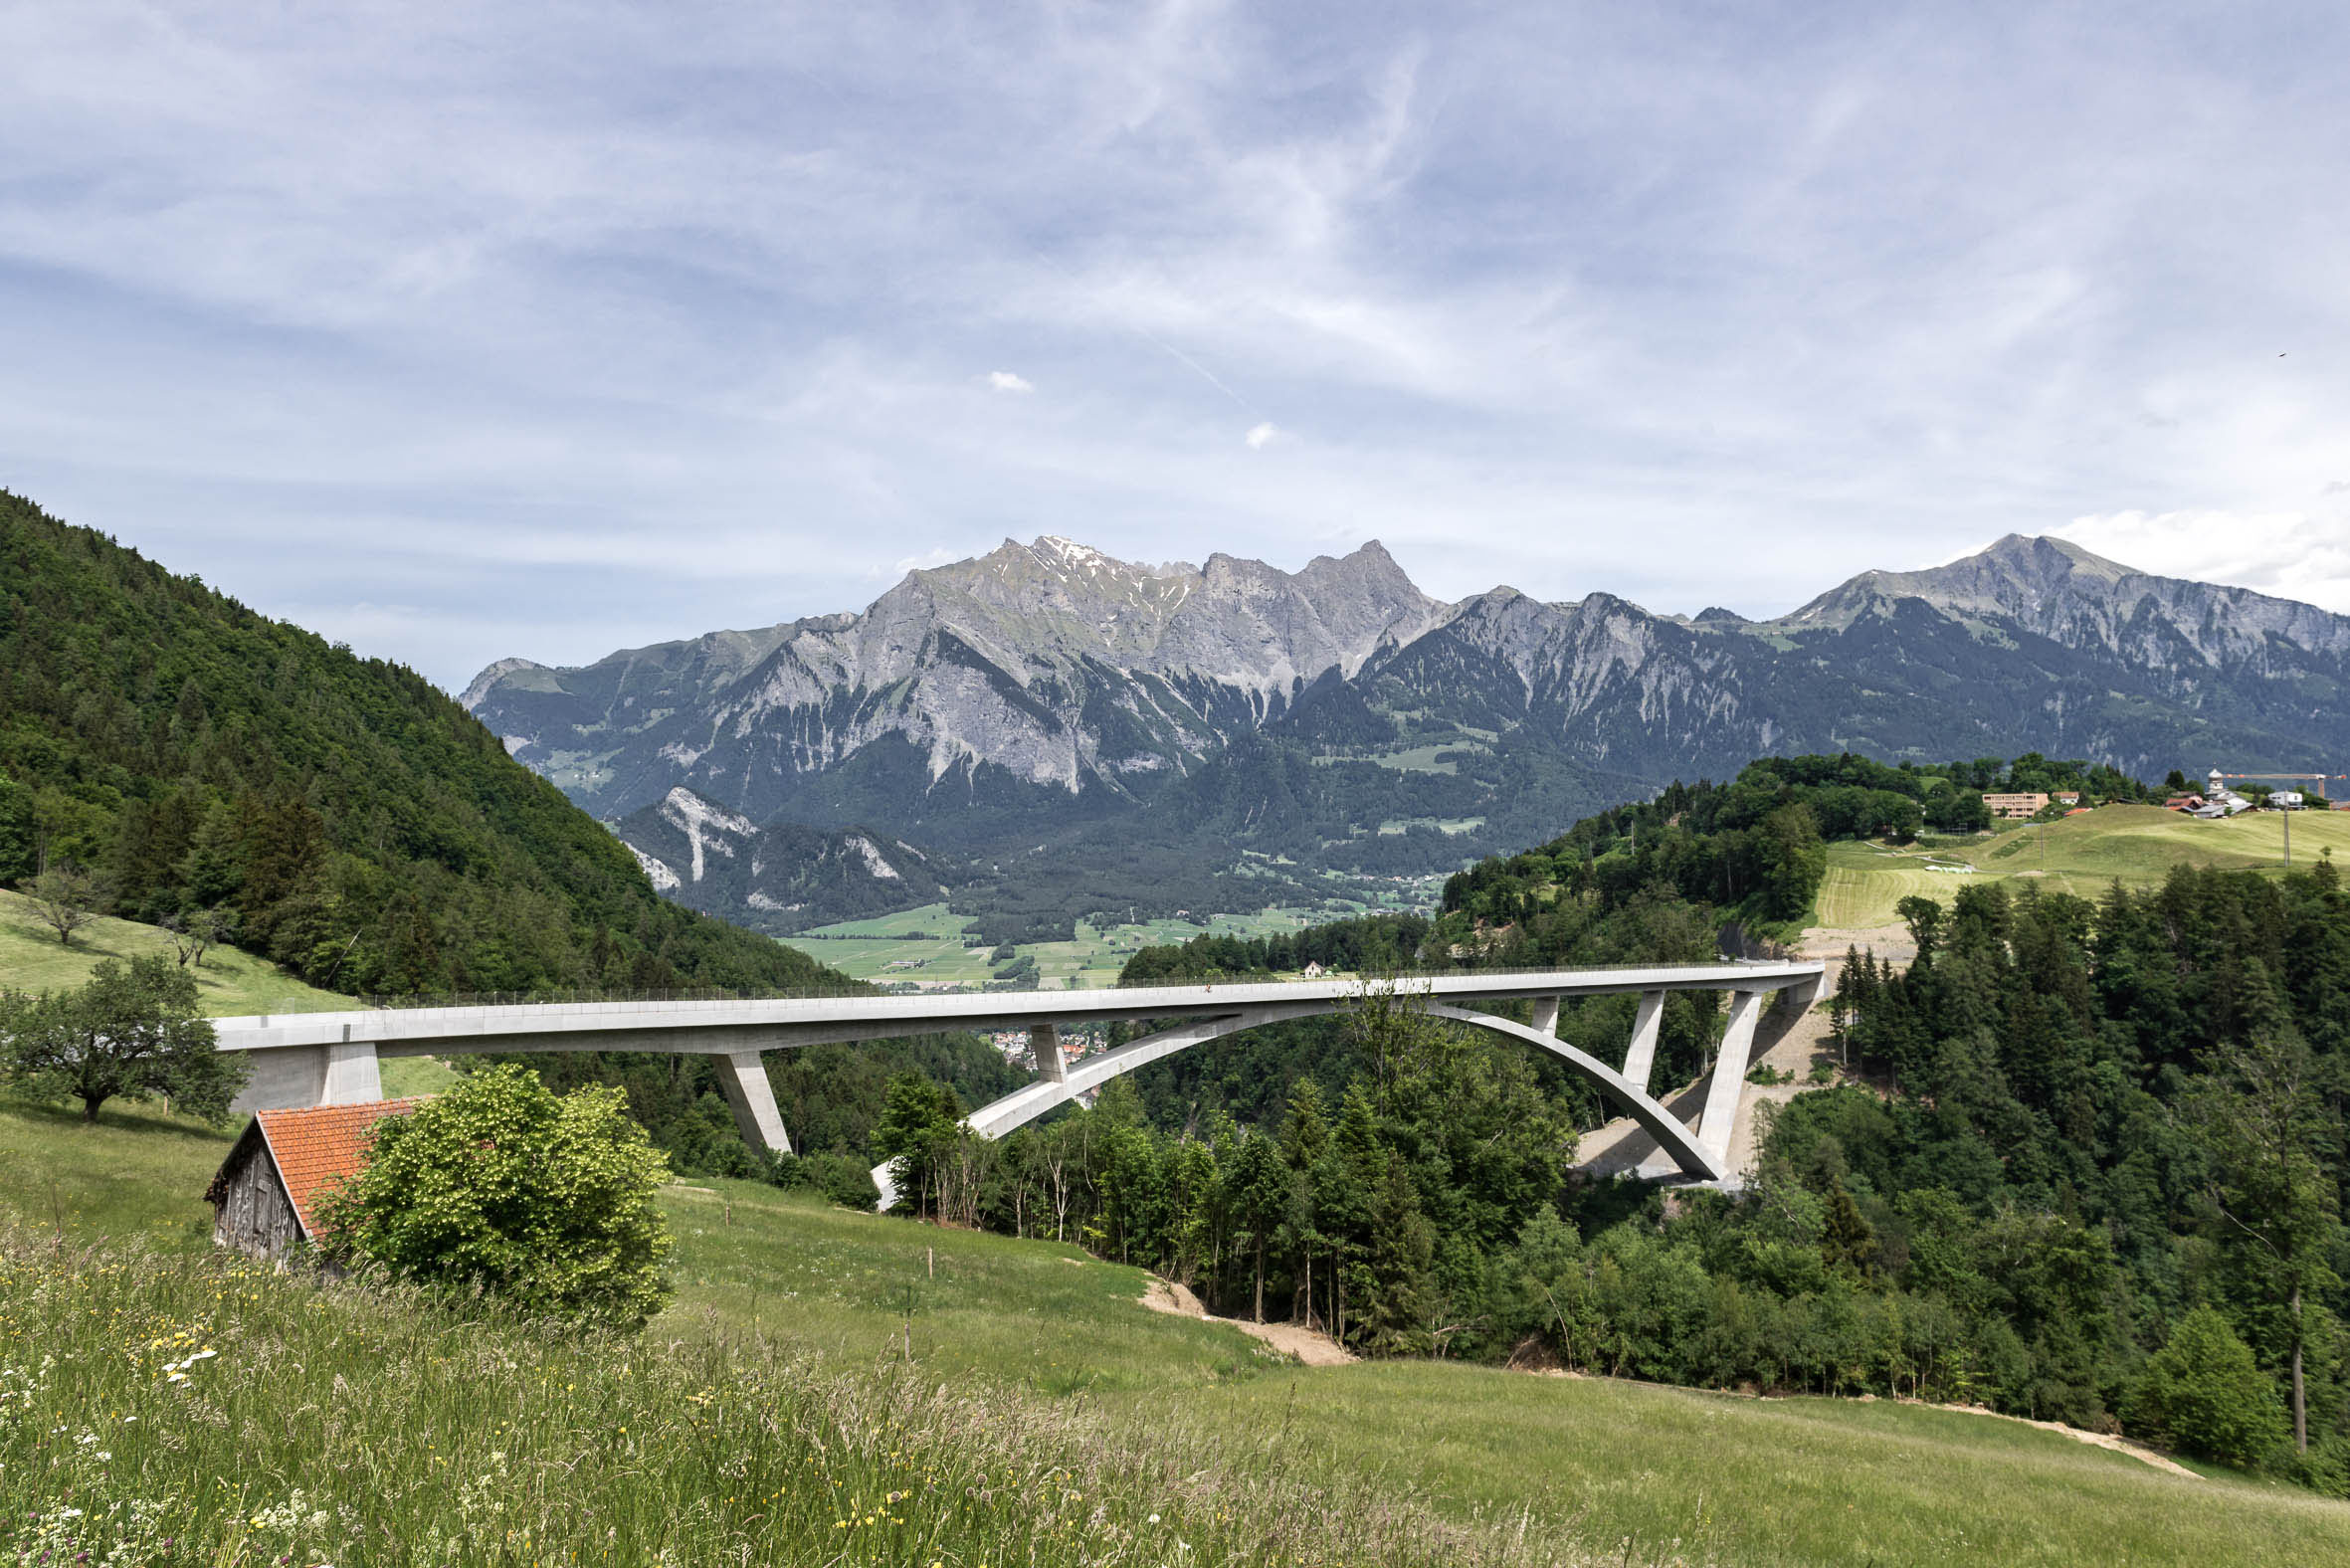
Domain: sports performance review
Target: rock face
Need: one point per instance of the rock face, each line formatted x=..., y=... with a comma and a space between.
x=780, y=876
x=1045, y=665
x=1046, y=692
x=2057, y=590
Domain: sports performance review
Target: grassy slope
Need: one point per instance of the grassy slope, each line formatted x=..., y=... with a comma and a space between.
x=32, y=960
x=2136, y=845
x=1601, y=1469
x=232, y=983
x=864, y=949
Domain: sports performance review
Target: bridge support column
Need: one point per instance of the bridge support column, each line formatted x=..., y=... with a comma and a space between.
x=1729, y=1072
x=352, y=1076
x=753, y=1100
x=1043, y=1053
x=1546, y=1016
x=1641, y=1056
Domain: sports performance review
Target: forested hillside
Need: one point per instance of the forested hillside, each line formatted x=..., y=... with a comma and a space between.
x=2087, y=1160
x=336, y=814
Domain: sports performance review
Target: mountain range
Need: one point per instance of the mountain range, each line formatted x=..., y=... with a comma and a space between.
x=1050, y=731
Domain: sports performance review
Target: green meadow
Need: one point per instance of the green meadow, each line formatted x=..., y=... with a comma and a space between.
x=230, y=982
x=929, y=946
x=831, y=1387
x=2134, y=844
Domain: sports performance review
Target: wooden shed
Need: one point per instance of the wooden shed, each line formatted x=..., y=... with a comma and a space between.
x=285, y=1160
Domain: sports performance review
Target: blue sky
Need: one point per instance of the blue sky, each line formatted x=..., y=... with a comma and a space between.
x=461, y=331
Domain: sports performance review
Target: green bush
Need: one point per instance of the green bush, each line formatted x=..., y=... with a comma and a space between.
x=538, y=1200
x=2202, y=1391
x=838, y=1178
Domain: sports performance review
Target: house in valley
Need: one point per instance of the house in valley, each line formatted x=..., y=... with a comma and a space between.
x=264, y=1197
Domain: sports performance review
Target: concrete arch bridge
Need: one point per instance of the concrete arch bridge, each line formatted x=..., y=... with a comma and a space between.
x=330, y=1059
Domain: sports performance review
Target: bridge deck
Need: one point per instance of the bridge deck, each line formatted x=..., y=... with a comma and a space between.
x=327, y=1059
x=725, y=1027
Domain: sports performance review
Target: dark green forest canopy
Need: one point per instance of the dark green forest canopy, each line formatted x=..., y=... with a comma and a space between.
x=363, y=829
x=1750, y=847
x=2089, y=1164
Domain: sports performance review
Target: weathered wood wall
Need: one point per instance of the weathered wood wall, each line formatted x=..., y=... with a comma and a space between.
x=251, y=1212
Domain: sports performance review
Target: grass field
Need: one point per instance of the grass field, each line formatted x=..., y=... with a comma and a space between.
x=779, y=1389
x=1415, y=759
x=926, y=947
x=231, y=982
x=2083, y=854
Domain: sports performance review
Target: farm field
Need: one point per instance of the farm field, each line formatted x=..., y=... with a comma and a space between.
x=926, y=947
x=231, y=982
x=960, y=1353
x=1414, y=759
x=2082, y=856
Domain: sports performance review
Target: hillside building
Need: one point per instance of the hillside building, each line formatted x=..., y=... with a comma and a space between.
x=264, y=1197
x=2016, y=807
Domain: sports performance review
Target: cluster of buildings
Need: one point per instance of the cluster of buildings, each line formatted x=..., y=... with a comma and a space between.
x=2024, y=805
x=2218, y=800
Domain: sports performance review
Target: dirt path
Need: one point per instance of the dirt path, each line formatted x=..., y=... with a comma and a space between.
x=2095, y=1440
x=1308, y=1345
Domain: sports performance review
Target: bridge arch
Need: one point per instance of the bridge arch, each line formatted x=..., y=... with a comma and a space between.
x=1688, y=1150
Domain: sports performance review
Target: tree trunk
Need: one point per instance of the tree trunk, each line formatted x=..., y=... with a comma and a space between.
x=1260, y=1280
x=90, y=1113
x=2301, y=1391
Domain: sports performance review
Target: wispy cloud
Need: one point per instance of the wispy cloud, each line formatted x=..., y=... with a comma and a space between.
x=2291, y=555
x=675, y=327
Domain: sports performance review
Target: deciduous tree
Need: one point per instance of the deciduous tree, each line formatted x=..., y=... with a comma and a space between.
x=134, y=1030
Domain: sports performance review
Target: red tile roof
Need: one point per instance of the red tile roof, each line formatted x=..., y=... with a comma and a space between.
x=316, y=1148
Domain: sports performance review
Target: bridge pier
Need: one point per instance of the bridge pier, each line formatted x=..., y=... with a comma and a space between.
x=753, y=1100
x=353, y=1077
x=1729, y=1072
x=339, y=1073
x=1641, y=1055
x=1546, y=1014
x=1044, y=1055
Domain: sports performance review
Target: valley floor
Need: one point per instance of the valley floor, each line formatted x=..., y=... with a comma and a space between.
x=1055, y=1357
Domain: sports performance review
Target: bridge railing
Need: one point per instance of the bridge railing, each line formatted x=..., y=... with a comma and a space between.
x=589, y=995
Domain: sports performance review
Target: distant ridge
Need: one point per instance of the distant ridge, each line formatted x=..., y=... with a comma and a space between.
x=997, y=704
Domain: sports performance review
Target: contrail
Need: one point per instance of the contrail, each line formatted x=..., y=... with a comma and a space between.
x=1148, y=336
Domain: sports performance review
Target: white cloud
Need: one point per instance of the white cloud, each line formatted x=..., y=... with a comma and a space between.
x=673, y=327
x=2291, y=555
x=939, y=556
